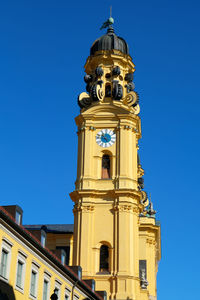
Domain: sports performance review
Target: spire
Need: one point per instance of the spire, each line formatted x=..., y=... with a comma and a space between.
x=108, y=23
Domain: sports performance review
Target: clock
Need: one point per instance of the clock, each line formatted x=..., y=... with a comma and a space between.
x=105, y=138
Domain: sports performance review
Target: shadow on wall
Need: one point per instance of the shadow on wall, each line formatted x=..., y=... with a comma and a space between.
x=6, y=291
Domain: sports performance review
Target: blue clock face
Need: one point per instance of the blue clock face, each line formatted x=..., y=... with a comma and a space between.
x=105, y=138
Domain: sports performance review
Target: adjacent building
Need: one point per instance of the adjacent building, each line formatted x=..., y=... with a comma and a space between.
x=29, y=270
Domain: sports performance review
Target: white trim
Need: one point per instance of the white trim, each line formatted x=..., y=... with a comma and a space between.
x=76, y=297
x=67, y=292
x=36, y=263
x=47, y=273
x=58, y=287
x=46, y=278
x=22, y=259
x=58, y=281
x=22, y=253
x=7, y=248
x=7, y=241
x=34, y=269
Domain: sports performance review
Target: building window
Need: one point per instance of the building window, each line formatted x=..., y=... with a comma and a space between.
x=43, y=238
x=45, y=290
x=67, y=294
x=105, y=173
x=5, y=259
x=104, y=258
x=33, y=283
x=34, y=280
x=56, y=291
x=20, y=267
x=66, y=250
x=143, y=274
x=18, y=217
x=108, y=90
x=63, y=257
x=4, y=263
x=46, y=286
x=57, y=288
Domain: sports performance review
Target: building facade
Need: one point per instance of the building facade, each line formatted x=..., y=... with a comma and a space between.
x=29, y=270
x=116, y=236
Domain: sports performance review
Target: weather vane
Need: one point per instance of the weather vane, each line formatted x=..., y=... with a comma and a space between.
x=109, y=22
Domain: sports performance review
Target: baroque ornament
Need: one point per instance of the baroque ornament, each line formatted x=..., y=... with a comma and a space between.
x=84, y=100
x=117, y=90
x=131, y=99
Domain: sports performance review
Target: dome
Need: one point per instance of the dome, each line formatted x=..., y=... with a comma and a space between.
x=109, y=41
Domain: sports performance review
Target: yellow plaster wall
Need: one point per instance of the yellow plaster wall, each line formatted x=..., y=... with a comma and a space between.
x=18, y=245
x=107, y=211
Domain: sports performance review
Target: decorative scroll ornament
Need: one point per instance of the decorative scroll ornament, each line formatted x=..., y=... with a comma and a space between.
x=144, y=200
x=136, y=109
x=129, y=77
x=99, y=71
x=130, y=87
x=116, y=71
x=84, y=100
x=97, y=92
x=88, y=78
x=141, y=183
x=117, y=90
x=131, y=99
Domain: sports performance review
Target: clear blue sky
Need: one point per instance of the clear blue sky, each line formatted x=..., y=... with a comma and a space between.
x=44, y=45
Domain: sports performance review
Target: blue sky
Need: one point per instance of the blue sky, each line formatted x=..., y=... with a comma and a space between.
x=44, y=45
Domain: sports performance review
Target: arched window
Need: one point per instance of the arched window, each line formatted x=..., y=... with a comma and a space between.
x=105, y=173
x=104, y=259
x=108, y=90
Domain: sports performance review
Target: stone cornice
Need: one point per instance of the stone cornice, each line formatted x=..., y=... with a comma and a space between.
x=111, y=193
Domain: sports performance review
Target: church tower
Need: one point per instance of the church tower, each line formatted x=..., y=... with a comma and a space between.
x=116, y=235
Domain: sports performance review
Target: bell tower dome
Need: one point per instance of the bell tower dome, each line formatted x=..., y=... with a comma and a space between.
x=116, y=237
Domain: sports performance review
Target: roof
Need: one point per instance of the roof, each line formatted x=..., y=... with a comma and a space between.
x=54, y=228
x=109, y=41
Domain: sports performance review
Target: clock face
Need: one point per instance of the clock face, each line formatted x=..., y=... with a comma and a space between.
x=105, y=138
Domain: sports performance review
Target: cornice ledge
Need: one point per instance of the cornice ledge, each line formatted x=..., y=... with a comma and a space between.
x=75, y=195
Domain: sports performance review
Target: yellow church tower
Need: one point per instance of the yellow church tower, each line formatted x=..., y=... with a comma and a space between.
x=116, y=235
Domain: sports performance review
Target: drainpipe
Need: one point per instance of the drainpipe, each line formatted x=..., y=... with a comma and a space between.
x=72, y=298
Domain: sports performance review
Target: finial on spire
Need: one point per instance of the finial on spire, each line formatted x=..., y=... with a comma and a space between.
x=109, y=22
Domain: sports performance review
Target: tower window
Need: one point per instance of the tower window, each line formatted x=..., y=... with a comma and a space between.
x=105, y=167
x=108, y=90
x=104, y=257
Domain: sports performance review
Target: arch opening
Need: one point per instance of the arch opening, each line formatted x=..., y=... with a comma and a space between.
x=105, y=171
x=104, y=259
